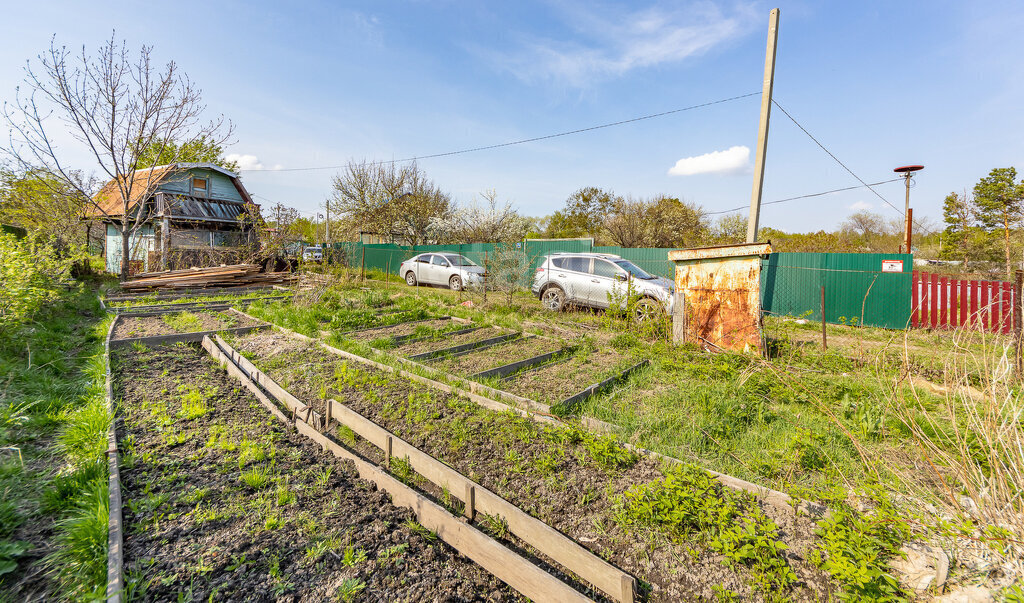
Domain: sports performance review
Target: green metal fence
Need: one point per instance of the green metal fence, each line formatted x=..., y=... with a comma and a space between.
x=858, y=289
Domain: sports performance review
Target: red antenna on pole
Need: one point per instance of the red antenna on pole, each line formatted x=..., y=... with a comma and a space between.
x=908, y=173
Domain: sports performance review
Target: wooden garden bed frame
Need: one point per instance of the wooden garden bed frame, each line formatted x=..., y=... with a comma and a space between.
x=514, y=570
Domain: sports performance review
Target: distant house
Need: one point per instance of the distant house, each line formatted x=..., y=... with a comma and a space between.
x=190, y=216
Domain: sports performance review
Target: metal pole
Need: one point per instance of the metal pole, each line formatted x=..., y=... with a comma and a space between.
x=907, y=212
x=762, y=131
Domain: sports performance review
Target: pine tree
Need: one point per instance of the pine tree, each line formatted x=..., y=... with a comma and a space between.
x=1000, y=201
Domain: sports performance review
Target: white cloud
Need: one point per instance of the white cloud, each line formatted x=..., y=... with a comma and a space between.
x=861, y=205
x=612, y=45
x=249, y=162
x=730, y=161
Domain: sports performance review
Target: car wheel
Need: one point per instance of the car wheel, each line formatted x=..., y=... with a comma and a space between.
x=410, y=279
x=648, y=309
x=553, y=298
x=455, y=283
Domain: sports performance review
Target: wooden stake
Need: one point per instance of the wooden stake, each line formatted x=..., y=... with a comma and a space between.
x=470, y=510
x=362, y=269
x=387, y=452
x=824, y=333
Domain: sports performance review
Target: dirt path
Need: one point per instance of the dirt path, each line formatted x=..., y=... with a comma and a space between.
x=222, y=502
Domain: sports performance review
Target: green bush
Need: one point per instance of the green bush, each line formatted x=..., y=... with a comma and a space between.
x=32, y=275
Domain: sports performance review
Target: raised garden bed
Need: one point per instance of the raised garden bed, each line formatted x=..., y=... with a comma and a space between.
x=499, y=355
x=132, y=327
x=420, y=347
x=585, y=486
x=223, y=502
x=404, y=328
x=553, y=383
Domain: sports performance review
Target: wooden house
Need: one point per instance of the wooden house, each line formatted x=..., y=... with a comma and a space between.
x=190, y=214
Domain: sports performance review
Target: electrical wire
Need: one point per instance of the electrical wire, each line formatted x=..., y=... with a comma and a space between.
x=845, y=167
x=835, y=190
x=522, y=141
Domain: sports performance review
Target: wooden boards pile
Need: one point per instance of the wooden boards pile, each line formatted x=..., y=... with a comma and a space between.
x=219, y=276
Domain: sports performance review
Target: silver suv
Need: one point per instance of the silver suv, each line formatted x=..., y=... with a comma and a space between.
x=598, y=280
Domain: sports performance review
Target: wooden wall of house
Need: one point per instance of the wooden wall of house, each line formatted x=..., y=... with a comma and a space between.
x=219, y=185
x=141, y=243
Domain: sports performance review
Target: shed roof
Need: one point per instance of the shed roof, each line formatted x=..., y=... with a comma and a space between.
x=720, y=252
x=143, y=183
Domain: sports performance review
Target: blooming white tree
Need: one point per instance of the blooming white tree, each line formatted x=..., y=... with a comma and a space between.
x=489, y=221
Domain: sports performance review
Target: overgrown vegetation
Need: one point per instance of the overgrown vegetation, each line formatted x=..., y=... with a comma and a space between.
x=824, y=427
x=53, y=428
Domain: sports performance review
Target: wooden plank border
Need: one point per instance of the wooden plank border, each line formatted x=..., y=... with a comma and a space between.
x=194, y=293
x=190, y=337
x=607, y=578
x=503, y=563
x=597, y=387
x=397, y=324
x=405, y=339
x=220, y=304
x=512, y=367
x=115, y=518
x=466, y=347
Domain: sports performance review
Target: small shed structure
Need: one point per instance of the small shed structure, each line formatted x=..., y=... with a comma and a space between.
x=189, y=214
x=718, y=296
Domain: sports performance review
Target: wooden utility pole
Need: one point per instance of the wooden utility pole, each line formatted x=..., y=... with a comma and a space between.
x=762, y=131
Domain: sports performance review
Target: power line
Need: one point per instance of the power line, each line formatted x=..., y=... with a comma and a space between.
x=836, y=190
x=522, y=141
x=845, y=167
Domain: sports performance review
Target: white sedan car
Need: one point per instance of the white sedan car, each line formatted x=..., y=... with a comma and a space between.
x=450, y=269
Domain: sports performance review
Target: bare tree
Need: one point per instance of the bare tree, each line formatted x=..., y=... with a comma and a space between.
x=388, y=200
x=119, y=108
x=628, y=226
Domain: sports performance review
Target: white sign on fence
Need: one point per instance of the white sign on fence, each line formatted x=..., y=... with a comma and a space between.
x=892, y=265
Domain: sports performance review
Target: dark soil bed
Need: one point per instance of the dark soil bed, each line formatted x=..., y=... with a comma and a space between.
x=406, y=328
x=421, y=347
x=495, y=356
x=556, y=382
x=223, y=503
x=571, y=480
x=129, y=327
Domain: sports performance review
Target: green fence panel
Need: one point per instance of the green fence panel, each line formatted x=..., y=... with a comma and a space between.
x=857, y=288
x=653, y=260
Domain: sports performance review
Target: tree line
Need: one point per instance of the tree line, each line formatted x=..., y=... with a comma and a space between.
x=984, y=225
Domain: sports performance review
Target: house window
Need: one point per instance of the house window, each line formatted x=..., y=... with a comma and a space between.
x=199, y=187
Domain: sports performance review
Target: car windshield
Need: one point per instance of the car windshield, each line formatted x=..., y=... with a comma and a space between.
x=633, y=269
x=459, y=260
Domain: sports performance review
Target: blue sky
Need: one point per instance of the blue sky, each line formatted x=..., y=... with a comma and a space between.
x=881, y=84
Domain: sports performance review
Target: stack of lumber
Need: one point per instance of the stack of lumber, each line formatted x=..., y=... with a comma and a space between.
x=236, y=275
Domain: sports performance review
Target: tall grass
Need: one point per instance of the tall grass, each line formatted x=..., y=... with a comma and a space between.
x=79, y=561
x=55, y=415
x=972, y=441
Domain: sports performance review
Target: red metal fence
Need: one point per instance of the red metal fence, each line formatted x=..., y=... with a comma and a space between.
x=941, y=302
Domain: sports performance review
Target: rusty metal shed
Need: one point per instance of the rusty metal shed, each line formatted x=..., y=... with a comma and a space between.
x=718, y=296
